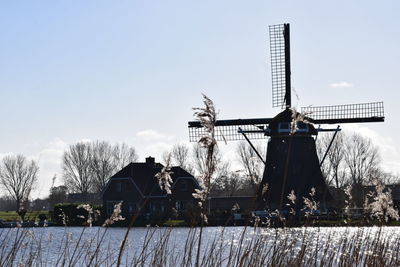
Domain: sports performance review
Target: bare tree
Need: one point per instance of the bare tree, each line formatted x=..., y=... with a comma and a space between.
x=333, y=167
x=389, y=178
x=87, y=167
x=386, y=178
x=227, y=185
x=102, y=164
x=362, y=162
x=200, y=162
x=199, y=158
x=18, y=177
x=352, y=160
x=76, y=168
x=107, y=160
x=362, y=159
x=221, y=172
x=58, y=194
x=179, y=156
x=123, y=155
x=251, y=164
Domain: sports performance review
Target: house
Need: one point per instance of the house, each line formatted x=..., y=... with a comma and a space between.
x=138, y=189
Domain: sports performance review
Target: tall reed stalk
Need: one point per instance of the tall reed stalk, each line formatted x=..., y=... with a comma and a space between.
x=207, y=116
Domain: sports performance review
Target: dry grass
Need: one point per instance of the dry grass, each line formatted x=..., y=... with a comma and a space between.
x=370, y=246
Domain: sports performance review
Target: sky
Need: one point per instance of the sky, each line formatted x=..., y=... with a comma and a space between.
x=131, y=71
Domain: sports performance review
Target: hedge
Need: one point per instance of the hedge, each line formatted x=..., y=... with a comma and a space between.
x=75, y=216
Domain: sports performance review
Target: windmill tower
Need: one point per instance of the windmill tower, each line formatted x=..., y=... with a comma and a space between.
x=292, y=162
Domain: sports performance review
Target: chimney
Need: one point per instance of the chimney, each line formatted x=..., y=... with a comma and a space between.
x=150, y=160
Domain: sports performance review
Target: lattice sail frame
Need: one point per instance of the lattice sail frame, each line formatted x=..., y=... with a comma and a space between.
x=228, y=130
x=363, y=112
x=278, y=61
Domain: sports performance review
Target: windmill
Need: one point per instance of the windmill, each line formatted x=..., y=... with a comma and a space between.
x=291, y=162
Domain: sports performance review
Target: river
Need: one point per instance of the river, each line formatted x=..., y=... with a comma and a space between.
x=75, y=246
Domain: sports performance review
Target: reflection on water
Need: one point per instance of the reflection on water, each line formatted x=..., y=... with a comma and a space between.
x=81, y=246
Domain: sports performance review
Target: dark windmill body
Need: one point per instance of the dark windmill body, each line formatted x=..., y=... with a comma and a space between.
x=292, y=162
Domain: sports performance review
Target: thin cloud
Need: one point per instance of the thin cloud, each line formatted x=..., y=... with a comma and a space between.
x=156, y=150
x=341, y=85
x=153, y=143
x=150, y=135
x=85, y=140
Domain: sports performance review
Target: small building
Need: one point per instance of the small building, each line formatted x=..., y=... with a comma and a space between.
x=139, y=190
x=226, y=204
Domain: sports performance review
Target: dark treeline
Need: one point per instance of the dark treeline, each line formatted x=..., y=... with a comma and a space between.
x=353, y=160
x=353, y=163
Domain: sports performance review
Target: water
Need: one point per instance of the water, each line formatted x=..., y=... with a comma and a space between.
x=53, y=246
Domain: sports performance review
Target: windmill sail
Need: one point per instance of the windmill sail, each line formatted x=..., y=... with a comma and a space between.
x=228, y=130
x=280, y=65
x=351, y=113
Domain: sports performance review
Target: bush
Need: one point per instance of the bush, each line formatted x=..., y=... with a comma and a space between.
x=69, y=214
x=42, y=217
x=192, y=215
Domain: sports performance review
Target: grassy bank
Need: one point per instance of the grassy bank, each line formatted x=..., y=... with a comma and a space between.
x=29, y=216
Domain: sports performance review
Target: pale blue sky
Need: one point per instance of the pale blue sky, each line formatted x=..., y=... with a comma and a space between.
x=130, y=71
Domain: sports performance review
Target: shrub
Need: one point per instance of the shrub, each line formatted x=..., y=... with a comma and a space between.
x=42, y=217
x=69, y=214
